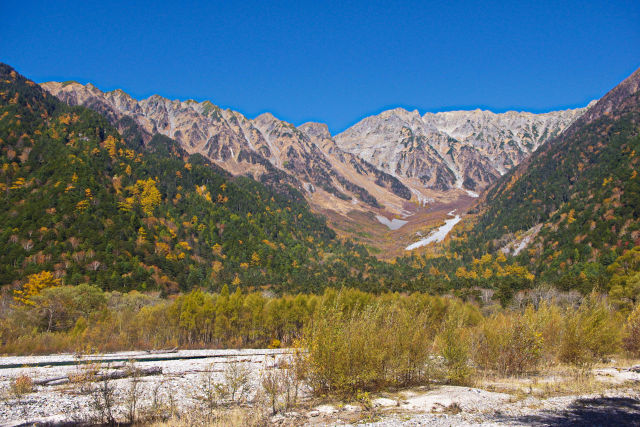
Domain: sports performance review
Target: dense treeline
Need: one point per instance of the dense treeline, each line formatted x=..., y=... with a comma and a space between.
x=58, y=317
x=46, y=315
x=353, y=341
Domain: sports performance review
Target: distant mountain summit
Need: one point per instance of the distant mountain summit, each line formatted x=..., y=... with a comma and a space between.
x=453, y=149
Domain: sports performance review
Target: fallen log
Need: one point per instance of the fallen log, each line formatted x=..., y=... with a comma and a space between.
x=109, y=358
x=48, y=380
x=114, y=375
x=58, y=382
x=171, y=350
x=125, y=373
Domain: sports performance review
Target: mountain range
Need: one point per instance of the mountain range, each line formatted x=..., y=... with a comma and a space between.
x=453, y=149
x=378, y=165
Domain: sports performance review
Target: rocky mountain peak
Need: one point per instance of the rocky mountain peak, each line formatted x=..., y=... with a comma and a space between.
x=464, y=149
x=318, y=130
x=620, y=98
x=265, y=118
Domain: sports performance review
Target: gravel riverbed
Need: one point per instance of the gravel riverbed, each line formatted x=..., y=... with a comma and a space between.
x=617, y=401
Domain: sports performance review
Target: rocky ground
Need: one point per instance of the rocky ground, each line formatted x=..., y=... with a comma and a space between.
x=608, y=394
x=184, y=374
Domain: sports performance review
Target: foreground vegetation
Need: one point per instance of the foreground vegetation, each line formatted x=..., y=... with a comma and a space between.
x=354, y=341
x=349, y=346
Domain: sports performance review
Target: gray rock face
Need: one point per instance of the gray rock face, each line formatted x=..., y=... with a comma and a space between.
x=463, y=149
x=379, y=162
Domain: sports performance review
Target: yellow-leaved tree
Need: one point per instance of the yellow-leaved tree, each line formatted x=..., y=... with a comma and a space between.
x=145, y=193
x=35, y=284
x=149, y=195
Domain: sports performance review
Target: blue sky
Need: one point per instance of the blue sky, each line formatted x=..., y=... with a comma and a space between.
x=334, y=62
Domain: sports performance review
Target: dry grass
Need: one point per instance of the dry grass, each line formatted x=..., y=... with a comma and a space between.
x=222, y=417
x=559, y=380
x=21, y=385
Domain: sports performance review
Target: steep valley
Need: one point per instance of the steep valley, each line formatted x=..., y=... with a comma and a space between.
x=397, y=164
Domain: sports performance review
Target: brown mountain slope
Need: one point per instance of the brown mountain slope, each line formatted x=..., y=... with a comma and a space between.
x=260, y=147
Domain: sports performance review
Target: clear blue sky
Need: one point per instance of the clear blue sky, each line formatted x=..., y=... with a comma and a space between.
x=334, y=62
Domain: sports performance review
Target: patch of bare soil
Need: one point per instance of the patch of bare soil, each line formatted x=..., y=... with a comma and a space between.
x=363, y=227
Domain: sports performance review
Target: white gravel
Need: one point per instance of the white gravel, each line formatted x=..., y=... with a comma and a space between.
x=67, y=402
x=437, y=406
x=438, y=235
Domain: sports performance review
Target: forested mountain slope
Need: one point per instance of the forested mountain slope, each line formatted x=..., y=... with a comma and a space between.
x=266, y=148
x=81, y=201
x=129, y=210
x=376, y=165
x=578, y=195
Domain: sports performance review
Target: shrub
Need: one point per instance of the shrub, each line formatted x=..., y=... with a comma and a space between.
x=133, y=393
x=104, y=400
x=209, y=392
x=408, y=344
x=589, y=333
x=508, y=343
x=548, y=320
x=275, y=343
x=344, y=352
x=21, y=385
x=237, y=378
x=631, y=340
x=453, y=345
x=384, y=344
x=271, y=381
x=294, y=371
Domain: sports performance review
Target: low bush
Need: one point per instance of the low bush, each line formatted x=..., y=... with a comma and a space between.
x=589, y=333
x=508, y=343
x=452, y=344
x=383, y=344
x=547, y=319
x=21, y=385
x=631, y=340
x=237, y=378
x=345, y=352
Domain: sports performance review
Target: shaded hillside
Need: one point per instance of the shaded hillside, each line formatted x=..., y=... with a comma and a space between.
x=79, y=200
x=582, y=187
